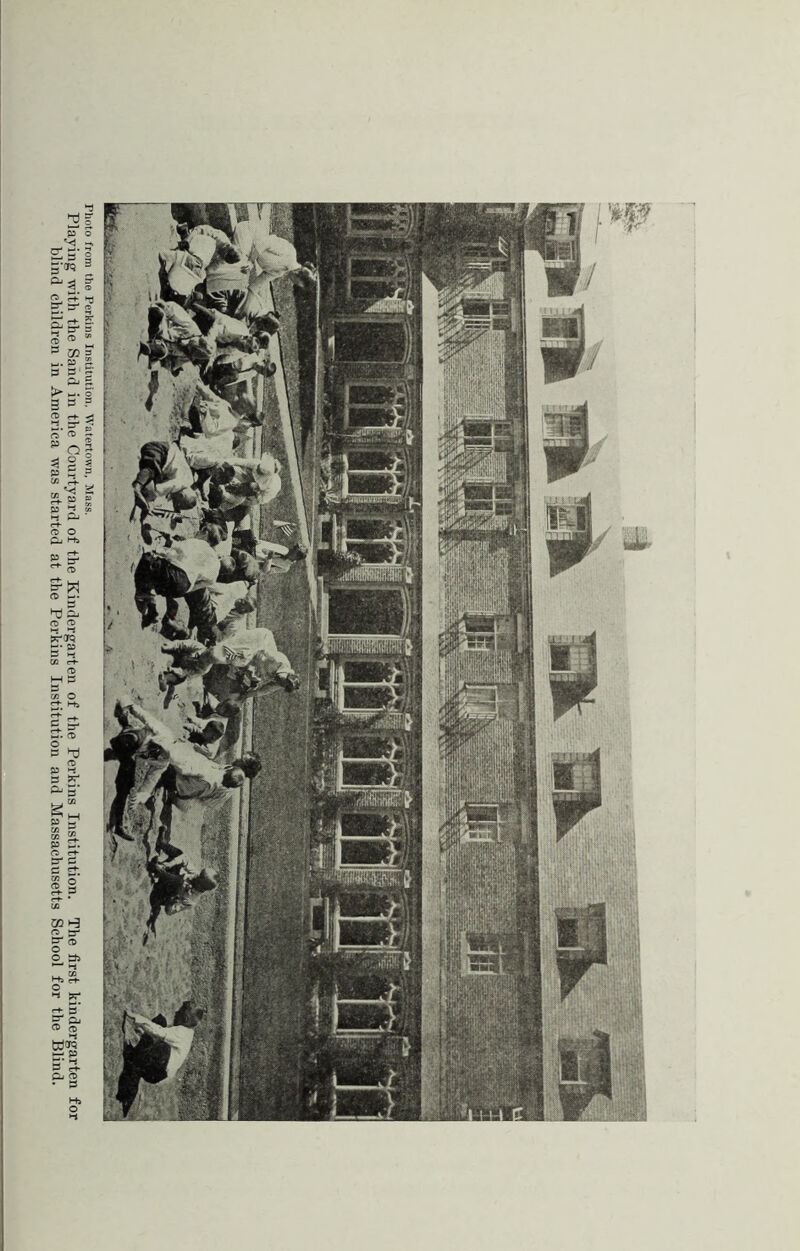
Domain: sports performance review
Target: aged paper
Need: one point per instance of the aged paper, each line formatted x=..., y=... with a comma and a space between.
x=115, y=122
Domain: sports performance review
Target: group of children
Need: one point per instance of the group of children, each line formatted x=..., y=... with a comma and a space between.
x=195, y=498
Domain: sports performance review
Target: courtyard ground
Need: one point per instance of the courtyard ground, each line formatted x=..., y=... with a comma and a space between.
x=240, y=952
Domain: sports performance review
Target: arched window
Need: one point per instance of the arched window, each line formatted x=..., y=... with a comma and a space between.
x=376, y=405
x=375, y=472
x=372, y=684
x=367, y=919
x=366, y=1005
x=374, y=838
x=370, y=339
x=377, y=277
x=366, y=612
x=372, y=760
x=363, y=1095
x=377, y=540
x=379, y=219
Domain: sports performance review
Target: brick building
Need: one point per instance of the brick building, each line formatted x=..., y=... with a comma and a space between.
x=474, y=913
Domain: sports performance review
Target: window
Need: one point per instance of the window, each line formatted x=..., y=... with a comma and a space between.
x=373, y=472
x=561, y=223
x=366, y=1005
x=375, y=405
x=496, y=498
x=488, y=433
x=496, y=1114
x=561, y=423
x=481, y=256
x=567, y=328
x=483, y=823
x=499, y=208
x=567, y=517
x=581, y=935
x=371, y=761
x=371, y=684
x=367, y=919
x=377, y=278
x=568, y=934
x=481, y=634
x=570, y=1068
x=370, y=339
x=559, y=251
x=488, y=953
x=480, y=701
x=576, y=774
x=379, y=219
x=572, y=655
x=365, y=838
x=486, y=314
x=377, y=540
x=366, y=612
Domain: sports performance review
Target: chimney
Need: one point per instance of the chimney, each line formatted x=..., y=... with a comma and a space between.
x=636, y=538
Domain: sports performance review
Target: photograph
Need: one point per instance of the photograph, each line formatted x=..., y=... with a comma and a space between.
x=398, y=596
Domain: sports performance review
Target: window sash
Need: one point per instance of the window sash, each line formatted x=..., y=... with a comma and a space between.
x=483, y=823
x=568, y=934
x=486, y=314
x=479, y=255
x=564, y=425
x=581, y=775
x=561, y=222
x=566, y=517
x=489, y=955
x=487, y=432
x=495, y=1114
x=561, y=328
x=578, y=657
x=375, y=405
x=480, y=634
x=561, y=250
x=481, y=699
x=489, y=497
x=570, y=1069
x=377, y=277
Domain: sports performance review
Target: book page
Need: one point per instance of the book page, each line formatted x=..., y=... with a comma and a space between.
x=380, y=567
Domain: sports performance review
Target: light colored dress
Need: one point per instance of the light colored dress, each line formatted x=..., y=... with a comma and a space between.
x=274, y=255
x=215, y=414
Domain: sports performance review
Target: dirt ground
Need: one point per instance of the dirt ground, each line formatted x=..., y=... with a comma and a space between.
x=189, y=956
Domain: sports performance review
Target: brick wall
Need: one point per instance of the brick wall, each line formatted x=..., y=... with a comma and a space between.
x=479, y=757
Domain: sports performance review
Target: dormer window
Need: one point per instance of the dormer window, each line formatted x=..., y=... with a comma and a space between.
x=584, y=1071
x=572, y=658
x=581, y=934
x=562, y=329
x=564, y=426
x=568, y=519
x=576, y=778
x=561, y=223
x=565, y=438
